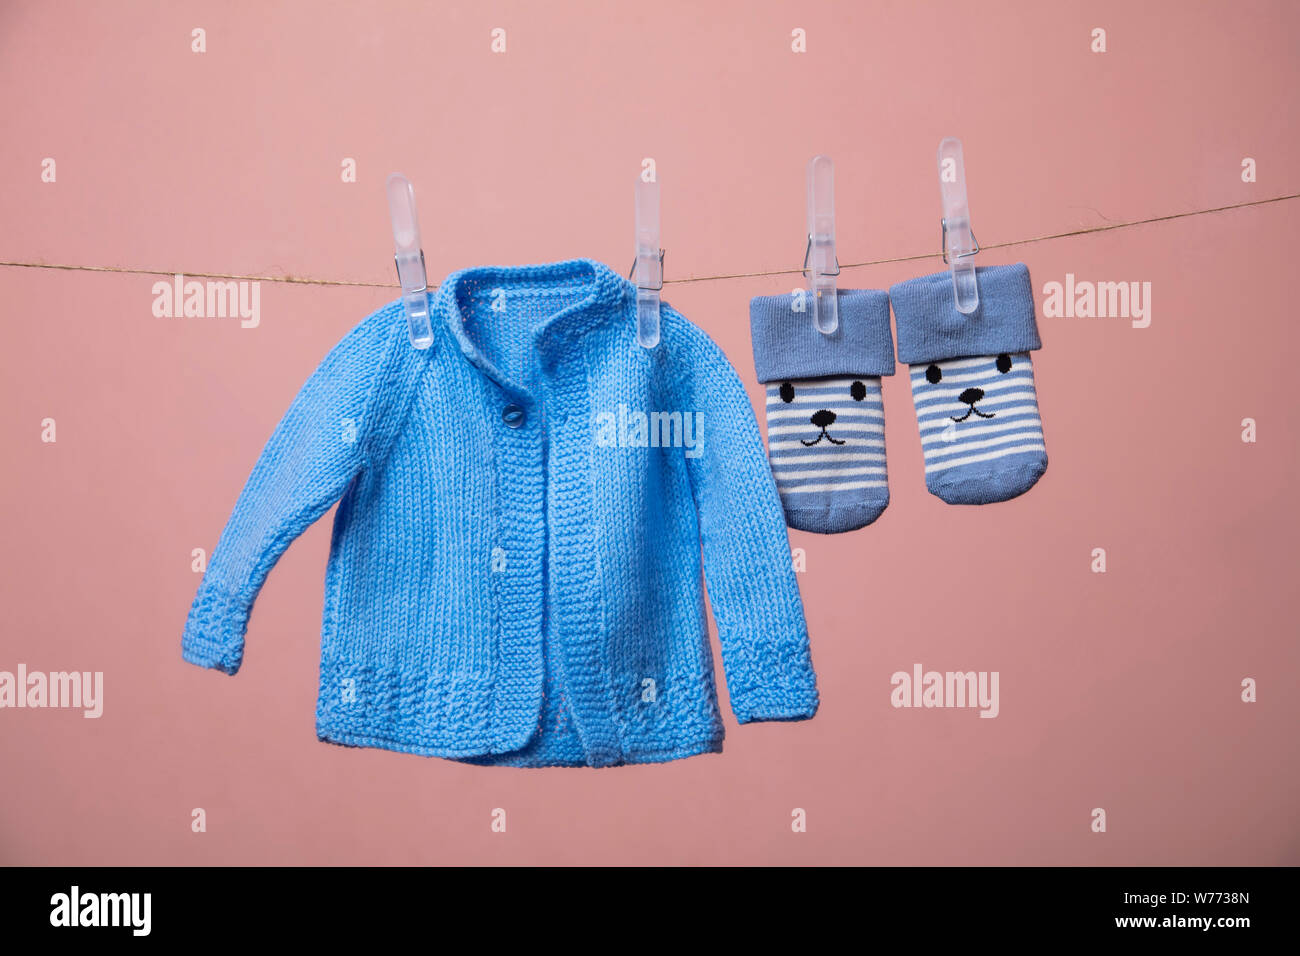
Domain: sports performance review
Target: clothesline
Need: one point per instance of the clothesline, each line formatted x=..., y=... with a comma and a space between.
x=307, y=280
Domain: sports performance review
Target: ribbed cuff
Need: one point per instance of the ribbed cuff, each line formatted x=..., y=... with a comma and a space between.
x=214, y=631
x=770, y=679
x=930, y=329
x=787, y=344
x=796, y=700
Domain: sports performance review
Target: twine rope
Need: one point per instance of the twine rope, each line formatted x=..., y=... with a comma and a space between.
x=312, y=280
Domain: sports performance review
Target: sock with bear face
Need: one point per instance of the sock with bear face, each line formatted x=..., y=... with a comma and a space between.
x=973, y=384
x=825, y=414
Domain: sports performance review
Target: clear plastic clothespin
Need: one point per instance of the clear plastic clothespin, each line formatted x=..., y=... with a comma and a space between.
x=409, y=258
x=648, y=268
x=959, y=242
x=820, y=263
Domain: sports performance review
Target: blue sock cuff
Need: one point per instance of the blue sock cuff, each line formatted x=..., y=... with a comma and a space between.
x=787, y=344
x=931, y=329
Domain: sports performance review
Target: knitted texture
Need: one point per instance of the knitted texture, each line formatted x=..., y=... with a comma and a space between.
x=973, y=384
x=788, y=344
x=517, y=563
x=825, y=407
x=930, y=329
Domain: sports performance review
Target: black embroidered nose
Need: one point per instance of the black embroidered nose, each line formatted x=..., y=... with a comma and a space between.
x=971, y=395
x=822, y=418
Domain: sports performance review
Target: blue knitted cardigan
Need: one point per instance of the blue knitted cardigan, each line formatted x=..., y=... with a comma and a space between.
x=512, y=579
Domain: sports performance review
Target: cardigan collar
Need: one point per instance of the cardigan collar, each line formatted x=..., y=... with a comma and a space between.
x=606, y=291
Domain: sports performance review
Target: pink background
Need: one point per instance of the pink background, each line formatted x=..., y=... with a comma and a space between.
x=1118, y=690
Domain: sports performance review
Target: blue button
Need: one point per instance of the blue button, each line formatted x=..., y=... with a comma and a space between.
x=513, y=416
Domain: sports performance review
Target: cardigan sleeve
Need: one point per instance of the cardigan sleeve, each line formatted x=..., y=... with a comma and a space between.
x=318, y=447
x=748, y=569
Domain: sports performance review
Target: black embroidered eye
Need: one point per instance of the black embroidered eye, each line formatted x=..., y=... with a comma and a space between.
x=787, y=392
x=933, y=374
x=1004, y=363
x=858, y=391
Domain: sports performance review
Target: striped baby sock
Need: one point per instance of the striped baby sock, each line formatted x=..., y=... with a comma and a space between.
x=973, y=384
x=825, y=417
